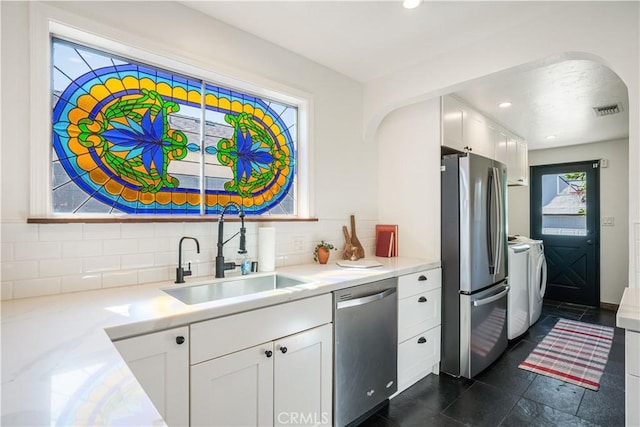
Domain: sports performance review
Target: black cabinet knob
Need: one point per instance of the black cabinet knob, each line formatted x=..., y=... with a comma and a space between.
x=283, y=350
x=422, y=278
x=422, y=340
x=268, y=353
x=180, y=339
x=422, y=299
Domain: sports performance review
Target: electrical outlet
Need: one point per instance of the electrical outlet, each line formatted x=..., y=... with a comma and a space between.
x=608, y=221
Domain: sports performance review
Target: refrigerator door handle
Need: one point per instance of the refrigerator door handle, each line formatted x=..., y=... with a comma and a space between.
x=493, y=298
x=499, y=229
x=489, y=225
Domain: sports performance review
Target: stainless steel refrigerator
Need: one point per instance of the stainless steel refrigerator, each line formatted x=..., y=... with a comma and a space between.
x=474, y=266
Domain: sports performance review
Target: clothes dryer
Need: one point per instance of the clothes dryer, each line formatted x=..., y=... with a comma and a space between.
x=538, y=280
x=518, y=316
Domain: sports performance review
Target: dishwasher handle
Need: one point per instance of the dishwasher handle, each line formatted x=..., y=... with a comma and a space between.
x=496, y=297
x=365, y=300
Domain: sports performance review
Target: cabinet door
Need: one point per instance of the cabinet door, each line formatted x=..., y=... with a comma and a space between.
x=303, y=378
x=234, y=390
x=501, y=148
x=522, y=159
x=475, y=134
x=452, y=118
x=160, y=362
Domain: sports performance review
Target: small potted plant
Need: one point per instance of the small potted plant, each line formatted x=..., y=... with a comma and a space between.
x=321, y=252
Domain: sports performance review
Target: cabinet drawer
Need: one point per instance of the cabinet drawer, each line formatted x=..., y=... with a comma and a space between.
x=217, y=337
x=632, y=352
x=412, y=284
x=418, y=313
x=416, y=356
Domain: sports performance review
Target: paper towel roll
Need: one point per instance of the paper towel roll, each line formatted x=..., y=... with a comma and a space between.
x=266, y=248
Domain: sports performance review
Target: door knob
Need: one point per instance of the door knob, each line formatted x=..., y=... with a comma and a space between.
x=422, y=340
x=422, y=299
x=589, y=242
x=283, y=350
x=422, y=278
x=179, y=340
x=268, y=353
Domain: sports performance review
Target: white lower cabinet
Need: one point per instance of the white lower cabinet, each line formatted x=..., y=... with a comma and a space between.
x=283, y=382
x=632, y=378
x=419, y=318
x=160, y=362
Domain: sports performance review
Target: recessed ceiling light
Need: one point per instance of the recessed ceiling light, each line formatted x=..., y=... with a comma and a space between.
x=411, y=4
x=505, y=104
x=550, y=137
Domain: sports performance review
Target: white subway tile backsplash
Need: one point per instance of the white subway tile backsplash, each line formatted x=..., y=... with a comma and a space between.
x=59, y=267
x=19, y=232
x=23, y=251
x=17, y=270
x=133, y=261
x=156, y=274
x=59, y=258
x=36, y=287
x=136, y=231
x=60, y=232
x=120, y=246
x=81, y=249
x=165, y=258
x=6, y=252
x=101, y=263
x=155, y=244
x=101, y=231
x=119, y=278
x=80, y=282
x=6, y=290
x=168, y=229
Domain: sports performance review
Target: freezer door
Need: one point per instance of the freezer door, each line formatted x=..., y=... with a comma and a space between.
x=482, y=230
x=483, y=329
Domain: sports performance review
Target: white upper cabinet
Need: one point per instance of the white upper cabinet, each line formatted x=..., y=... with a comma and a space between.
x=465, y=129
x=452, y=119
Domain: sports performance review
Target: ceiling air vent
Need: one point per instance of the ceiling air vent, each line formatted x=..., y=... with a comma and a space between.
x=607, y=110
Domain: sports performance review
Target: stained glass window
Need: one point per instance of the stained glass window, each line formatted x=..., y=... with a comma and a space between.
x=129, y=138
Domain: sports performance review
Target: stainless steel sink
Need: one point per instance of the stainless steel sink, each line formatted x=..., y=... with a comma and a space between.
x=231, y=287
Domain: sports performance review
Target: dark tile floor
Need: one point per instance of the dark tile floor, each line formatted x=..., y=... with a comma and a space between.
x=504, y=395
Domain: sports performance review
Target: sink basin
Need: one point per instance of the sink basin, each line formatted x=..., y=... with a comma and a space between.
x=229, y=288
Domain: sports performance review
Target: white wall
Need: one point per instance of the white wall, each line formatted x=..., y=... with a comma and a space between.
x=408, y=142
x=614, y=186
x=54, y=258
x=606, y=32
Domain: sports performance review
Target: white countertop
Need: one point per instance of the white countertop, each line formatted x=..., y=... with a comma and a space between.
x=628, y=315
x=59, y=366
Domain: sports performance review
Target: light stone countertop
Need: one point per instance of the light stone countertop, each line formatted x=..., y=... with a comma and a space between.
x=59, y=365
x=628, y=315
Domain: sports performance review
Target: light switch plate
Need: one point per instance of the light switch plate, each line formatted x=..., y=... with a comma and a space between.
x=608, y=221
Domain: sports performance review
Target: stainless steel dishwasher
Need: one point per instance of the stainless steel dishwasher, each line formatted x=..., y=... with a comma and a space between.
x=366, y=342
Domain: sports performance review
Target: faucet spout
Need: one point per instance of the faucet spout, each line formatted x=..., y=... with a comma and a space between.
x=221, y=266
x=181, y=272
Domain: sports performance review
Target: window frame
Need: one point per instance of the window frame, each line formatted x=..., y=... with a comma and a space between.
x=47, y=22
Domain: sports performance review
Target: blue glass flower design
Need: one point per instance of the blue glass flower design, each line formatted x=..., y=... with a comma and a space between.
x=145, y=140
x=249, y=155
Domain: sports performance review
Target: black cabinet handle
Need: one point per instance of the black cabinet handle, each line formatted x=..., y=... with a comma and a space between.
x=268, y=353
x=179, y=340
x=422, y=278
x=422, y=299
x=283, y=350
x=422, y=340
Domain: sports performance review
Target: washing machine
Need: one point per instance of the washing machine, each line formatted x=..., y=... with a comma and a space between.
x=518, y=317
x=537, y=276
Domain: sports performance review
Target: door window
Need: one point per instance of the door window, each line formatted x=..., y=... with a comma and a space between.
x=564, y=204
